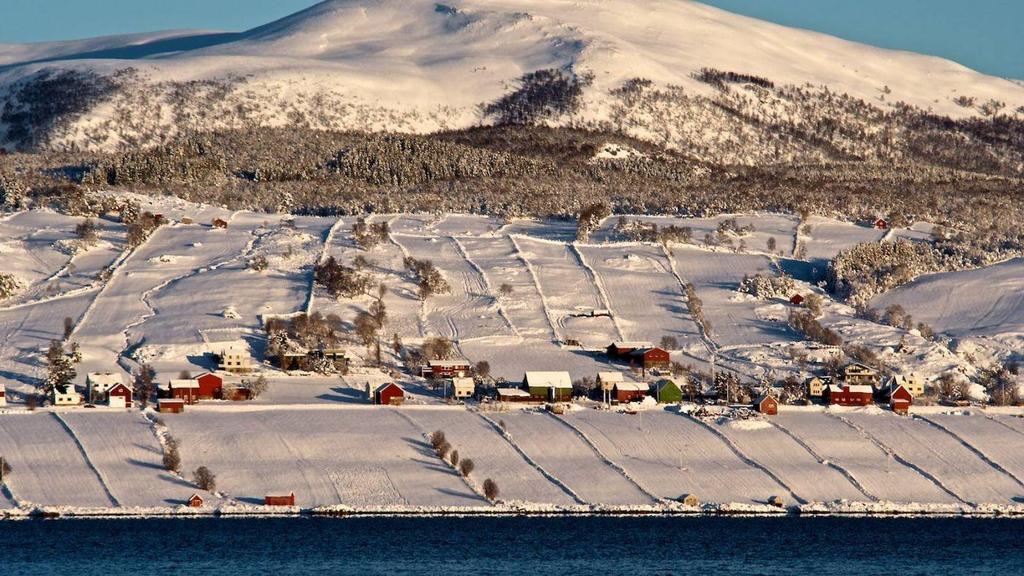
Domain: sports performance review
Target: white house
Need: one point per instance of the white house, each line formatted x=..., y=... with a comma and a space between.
x=235, y=359
x=463, y=387
x=66, y=396
x=913, y=382
x=97, y=384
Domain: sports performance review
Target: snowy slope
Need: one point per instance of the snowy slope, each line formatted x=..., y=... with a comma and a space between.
x=418, y=65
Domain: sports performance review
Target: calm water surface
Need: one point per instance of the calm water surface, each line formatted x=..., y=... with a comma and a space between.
x=526, y=546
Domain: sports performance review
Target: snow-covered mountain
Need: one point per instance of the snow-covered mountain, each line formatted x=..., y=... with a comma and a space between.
x=420, y=66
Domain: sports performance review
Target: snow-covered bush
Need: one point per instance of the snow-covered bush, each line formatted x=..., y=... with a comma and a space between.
x=9, y=286
x=871, y=268
x=765, y=286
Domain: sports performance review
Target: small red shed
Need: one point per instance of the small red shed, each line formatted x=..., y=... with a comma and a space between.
x=900, y=400
x=195, y=501
x=210, y=385
x=120, y=396
x=767, y=405
x=881, y=224
x=389, y=394
x=796, y=300
x=279, y=499
x=170, y=405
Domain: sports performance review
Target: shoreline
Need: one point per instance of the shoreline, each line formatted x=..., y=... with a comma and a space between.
x=812, y=510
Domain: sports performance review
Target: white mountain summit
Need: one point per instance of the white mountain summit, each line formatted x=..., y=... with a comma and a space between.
x=420, y=66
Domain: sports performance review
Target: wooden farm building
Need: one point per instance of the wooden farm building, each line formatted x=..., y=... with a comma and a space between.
x=388, y=394
x=667, y=391
x=279, y=499
x=900, y=400
x=622, y=350
x=551, y=386
x=513, y=395
x=767, y=405
x=97, y=384
x=170, y=405
x=849, y=395
x=210, y=385
x=120, y=396
x=185, y=390
x=3, y=394
x=881, y=224
x=607, y=380
x=195, y=501
x=623, y=392
x=445, y=369
x=796, y=300
x=653, y=358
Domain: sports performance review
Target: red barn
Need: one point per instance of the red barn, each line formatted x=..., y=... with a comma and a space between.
x=210, y=385
x=767, y=405
x=279, y=499
x=389, y=394
x=120, y=396
x=850, y=395
x=881, y=224
x=195, y=501
x=622, y=350
x=796, y=300
x=650, y=358
x=900, y=400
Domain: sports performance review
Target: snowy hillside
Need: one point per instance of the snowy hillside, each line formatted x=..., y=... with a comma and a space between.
x=420, y=66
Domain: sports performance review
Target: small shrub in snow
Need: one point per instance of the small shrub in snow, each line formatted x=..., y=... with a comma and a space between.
x=9, y=286
x=454, y=458
x=428, y=278
x=204, y=479
x=340, y=280
x=491, y=491
x=466, y=467
x=437, y=438
x=443, y=449
x=258, y=263
x=171, y=458
x=256, y=386
x=369, y=235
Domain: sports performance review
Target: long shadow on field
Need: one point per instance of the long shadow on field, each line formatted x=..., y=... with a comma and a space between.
x=345, y=396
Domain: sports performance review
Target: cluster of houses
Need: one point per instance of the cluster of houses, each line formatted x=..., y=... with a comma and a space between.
x=860, y=385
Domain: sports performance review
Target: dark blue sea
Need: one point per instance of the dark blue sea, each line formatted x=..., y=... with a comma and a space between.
x=525, y=546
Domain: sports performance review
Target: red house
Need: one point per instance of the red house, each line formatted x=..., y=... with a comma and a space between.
x=279, y=499
x=849, y=395
x=120, y=396
x=195, y=501
x=650, y=358
x=389, y=394
x=881, y=224
x=796, y=300
x=900, y=400
x=767, y=405
x=210, y=385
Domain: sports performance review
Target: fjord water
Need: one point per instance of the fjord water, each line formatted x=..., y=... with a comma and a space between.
x=527, y=546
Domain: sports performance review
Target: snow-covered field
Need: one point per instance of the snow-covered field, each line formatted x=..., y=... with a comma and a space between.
x=166, y=303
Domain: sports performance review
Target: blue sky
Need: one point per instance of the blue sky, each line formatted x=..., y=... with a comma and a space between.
x=986, y=35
